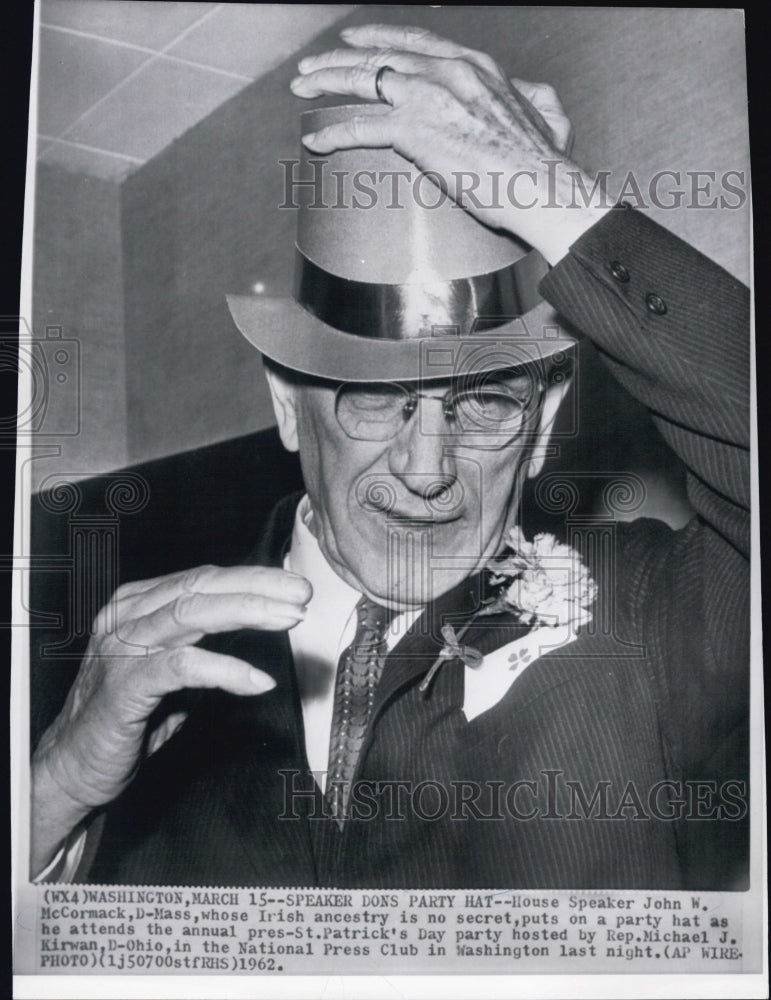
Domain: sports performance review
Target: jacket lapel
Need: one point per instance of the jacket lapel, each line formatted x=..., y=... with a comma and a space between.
x=419, y=648
x=414, y=654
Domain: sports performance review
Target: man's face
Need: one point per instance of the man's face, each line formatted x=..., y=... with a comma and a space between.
x=407, y=518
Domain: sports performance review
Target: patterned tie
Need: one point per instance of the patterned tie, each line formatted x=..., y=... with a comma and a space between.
x=358, y=672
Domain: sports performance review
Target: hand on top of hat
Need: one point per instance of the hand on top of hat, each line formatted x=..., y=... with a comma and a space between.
x=91, y=751
x=499, y=146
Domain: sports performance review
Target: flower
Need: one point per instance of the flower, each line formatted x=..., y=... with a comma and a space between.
x=543, y=580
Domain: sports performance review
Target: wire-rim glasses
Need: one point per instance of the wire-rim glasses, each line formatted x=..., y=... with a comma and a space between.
x=489, y=410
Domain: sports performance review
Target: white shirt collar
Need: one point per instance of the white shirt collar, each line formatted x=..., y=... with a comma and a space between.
x=333, y=599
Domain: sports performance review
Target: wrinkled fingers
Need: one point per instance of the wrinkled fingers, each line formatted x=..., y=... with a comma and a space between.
x=189, y=616
x=143, y=598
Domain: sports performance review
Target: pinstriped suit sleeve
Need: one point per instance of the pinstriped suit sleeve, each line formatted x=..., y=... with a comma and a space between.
x=689, y=365
x=689, y=594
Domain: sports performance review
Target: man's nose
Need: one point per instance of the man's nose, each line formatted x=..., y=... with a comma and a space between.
x=419, y=456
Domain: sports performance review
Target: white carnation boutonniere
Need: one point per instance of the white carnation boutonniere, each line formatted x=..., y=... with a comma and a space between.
x=543, y=582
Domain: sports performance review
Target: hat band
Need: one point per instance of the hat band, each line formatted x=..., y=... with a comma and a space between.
x=458, y=307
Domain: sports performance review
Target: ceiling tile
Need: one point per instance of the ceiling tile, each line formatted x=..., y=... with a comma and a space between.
x=140, y=23
x=161, y=102
x=74, y=73
x=254, y=38
x=92, y=162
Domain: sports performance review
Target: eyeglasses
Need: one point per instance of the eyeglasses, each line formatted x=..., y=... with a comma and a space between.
x=489, y=411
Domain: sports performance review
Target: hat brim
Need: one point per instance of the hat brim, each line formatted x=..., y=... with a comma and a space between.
x=291, y=336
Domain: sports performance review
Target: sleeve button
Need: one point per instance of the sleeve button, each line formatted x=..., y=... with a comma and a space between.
x=619, y=272
x=655, y=303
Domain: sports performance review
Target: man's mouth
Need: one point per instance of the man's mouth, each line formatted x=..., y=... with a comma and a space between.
x=420, y=519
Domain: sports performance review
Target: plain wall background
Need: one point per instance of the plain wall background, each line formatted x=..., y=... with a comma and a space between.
x=138, y=269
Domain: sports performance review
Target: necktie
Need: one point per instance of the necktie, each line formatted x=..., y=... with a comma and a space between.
x=358, y=672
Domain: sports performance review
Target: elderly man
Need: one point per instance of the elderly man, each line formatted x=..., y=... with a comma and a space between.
x=370, y=722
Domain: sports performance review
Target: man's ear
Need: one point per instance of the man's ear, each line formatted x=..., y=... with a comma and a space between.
x=284, y=397
x=553, y=396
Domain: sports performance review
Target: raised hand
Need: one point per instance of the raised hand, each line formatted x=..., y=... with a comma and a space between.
x=90, y=753
x=455, y=113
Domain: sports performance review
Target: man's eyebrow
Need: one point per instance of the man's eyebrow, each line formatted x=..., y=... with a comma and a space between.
x=528, y=376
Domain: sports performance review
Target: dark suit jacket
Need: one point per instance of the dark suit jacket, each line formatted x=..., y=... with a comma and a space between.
x=591, y=749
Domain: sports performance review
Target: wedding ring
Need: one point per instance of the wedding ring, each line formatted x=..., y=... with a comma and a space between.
x=379, y=84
